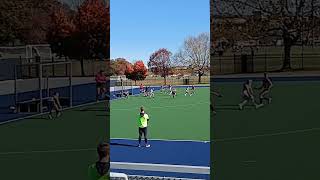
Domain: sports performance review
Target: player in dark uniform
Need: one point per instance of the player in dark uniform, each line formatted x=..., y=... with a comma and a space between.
x=126, y=94
x=212, y=103
x=193, y=90
x=265, y=89
x=173, y=92
x=247, y=95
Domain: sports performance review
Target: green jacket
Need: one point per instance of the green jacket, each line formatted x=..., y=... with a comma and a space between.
x=94, y=175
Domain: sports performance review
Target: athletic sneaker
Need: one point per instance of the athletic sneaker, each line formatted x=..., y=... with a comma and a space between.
x=148, y=145
x=139, y=145
x=270, y=99
x=50, y=117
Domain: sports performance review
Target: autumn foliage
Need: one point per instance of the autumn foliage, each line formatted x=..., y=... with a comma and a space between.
x=82, y=33
x=119, y=66
x=160, y=63
x=137, y=72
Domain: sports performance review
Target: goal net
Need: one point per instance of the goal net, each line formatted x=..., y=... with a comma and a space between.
x=36, y=83
x=29, y=52
x=119, y=86
x=43, y=51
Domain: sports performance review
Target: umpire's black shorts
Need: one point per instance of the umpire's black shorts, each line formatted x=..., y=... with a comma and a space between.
x=143, y=131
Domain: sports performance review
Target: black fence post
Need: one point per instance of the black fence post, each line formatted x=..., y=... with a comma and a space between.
x=265, y=62
x=234, y=63
x=302, y=59
x=53, y=68
x=220, y=64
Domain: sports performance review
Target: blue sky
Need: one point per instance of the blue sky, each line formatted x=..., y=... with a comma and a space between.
x=140, y=27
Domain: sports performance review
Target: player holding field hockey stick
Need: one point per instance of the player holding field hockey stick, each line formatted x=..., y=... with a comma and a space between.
x=212, y=105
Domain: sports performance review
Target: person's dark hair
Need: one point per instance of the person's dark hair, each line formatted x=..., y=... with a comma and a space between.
x=103, y=164
x=141, y=108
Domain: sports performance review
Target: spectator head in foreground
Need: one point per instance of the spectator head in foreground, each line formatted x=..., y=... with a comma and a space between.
x=100, y=169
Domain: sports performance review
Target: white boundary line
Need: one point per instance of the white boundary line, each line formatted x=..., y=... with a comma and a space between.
x=161, y=167
x=39, y=114
x=138, y=94
x=129, y=175
x=162, y=107
x=46, y=151
x=170, y=140
x=267, y=135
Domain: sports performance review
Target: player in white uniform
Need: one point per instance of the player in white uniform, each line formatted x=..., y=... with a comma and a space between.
x=265, y=89
x=247, y=95
x=187, y=91
x=151, y=94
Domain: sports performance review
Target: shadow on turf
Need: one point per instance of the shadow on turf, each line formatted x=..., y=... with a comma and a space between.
x=123, y=144
x=102, y=115
x=92, y=110
x=230, y=107
x=38, y=118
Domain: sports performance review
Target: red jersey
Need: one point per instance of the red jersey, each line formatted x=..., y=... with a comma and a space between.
x=101, y=78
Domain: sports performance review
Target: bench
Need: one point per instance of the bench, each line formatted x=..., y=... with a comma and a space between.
x=33, y=105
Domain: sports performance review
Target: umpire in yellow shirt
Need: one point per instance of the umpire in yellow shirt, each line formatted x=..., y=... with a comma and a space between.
x=143, y=125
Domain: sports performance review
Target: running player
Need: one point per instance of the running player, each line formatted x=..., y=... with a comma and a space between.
x=141, y=88
x=170, y=90
x=212, y=103
x=265, y=89
x=162, y=89
x=193, y=90
x=145, y=94
x=173, y=92
x=187, y=91
x=54, y=105
x=247, y=95
x=126, y=94
x=151, y=94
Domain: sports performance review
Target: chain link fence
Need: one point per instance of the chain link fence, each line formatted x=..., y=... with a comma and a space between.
x=265, y=59
x=87, y=68
x=187, y=80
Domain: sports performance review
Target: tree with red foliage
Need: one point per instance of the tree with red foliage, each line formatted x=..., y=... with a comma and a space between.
x=61, y=29
x=93, y=23
x=92, y=31
x=160, y=63
x=137, y=72
x=89, y=30
x=129, y=70
x=119, y=66
x=26, y=21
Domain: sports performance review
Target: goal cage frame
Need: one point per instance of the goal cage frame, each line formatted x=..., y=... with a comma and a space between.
x=29, y=52
x=43, y=83
x=120, y=86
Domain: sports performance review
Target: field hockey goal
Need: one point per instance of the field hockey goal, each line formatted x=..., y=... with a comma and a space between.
x=119, y=86
x=36, y=83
